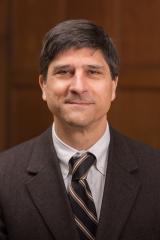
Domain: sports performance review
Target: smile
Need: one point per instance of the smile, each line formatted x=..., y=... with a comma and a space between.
x=79, y=103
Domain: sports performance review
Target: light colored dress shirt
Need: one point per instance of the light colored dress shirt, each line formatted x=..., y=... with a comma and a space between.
x=97, y=173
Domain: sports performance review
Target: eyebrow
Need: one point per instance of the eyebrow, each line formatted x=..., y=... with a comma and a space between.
x=94, y=66
x=70, y=66
x=60, y=67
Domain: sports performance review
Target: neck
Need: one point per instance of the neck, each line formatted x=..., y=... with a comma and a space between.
x=80, y=138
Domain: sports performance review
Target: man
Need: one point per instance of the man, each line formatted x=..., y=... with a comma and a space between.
x=80, y=179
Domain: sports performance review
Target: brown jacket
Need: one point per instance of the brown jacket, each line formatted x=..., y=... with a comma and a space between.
x=34, y=203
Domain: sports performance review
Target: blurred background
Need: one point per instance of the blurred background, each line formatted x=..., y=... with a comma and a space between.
x=134, y=27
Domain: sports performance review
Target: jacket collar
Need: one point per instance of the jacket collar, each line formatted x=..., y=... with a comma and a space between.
x=47, y=190
x=121, y=188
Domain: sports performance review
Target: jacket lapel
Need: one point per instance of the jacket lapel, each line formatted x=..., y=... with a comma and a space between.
x=48, y=193
x=47, y=190
x=121, y=188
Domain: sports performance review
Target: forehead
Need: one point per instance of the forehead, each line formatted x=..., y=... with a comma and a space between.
x=82, y=55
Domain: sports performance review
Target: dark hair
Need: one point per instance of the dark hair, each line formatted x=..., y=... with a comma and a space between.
x=77, y=34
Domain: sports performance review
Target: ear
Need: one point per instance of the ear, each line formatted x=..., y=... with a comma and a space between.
x=42, y=83
x=114, y=87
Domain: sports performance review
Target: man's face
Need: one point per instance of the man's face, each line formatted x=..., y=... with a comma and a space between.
x=78, y=88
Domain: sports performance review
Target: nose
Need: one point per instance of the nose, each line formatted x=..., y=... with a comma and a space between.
x=78, y=83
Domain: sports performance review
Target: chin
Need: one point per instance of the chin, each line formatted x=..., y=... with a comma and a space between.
x=78, y=124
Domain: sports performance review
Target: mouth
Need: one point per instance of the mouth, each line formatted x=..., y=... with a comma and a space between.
x=79, y=103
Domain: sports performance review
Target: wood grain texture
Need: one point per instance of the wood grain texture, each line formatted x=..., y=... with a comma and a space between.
x=2, y=95
x=31, y=20
x=140, y=33
x=134, y=27
x=3, y=73
x=29, y=115
x=136, y=113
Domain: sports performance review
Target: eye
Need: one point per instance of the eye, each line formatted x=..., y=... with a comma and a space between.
x=63, y=72
x=93, y=71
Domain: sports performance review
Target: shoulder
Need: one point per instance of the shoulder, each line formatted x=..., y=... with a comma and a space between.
x=147, y=157
x=132, y=154
x=22, y=152
x=135, y=146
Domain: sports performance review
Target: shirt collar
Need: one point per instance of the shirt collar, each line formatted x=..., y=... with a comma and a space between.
x=99, y=149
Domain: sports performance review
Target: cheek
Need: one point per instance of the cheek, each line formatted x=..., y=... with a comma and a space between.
x=57, y=88
x=104, y=98
x=104, y=92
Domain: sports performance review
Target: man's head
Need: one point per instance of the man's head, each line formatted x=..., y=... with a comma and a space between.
x=78, y=76
x=77, y=34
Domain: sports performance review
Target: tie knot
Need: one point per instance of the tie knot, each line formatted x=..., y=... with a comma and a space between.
x=80, y=165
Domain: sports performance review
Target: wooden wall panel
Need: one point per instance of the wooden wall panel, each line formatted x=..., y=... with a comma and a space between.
x=136, y=113
x=86, y=9
x=140, y=32
x=134, y=27
x=3, y=16
x=29, y=115
x=3, y=72
x=2, y=95
x=136, y=110
x=102, y=12
x=31, y=19
x=141, y=77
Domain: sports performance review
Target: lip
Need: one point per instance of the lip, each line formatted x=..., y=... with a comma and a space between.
x=80, y=103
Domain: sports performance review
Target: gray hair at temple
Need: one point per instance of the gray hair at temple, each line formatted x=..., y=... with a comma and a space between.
x=78, y=34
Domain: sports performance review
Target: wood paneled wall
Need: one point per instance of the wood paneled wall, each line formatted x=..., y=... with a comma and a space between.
x=3, y=72
x=134, y=26
x=137, y=110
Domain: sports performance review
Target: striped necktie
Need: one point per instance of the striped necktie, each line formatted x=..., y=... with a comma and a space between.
x=81, y=198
